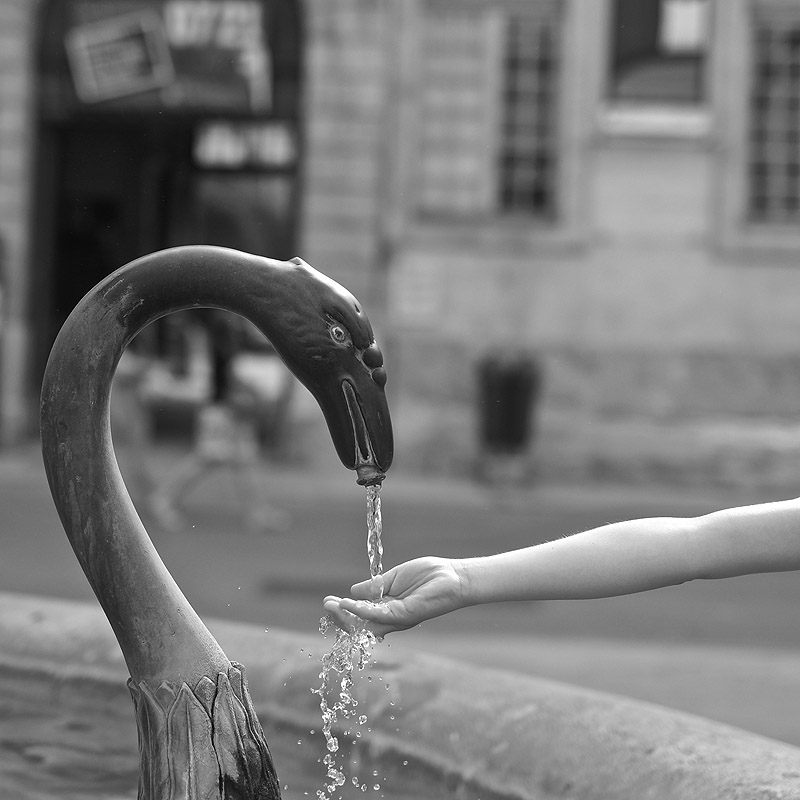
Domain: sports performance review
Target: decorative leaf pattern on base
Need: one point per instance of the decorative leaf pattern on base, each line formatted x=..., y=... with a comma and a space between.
x=202, y=743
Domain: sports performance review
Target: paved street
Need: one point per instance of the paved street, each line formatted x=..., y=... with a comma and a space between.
x=729, y=650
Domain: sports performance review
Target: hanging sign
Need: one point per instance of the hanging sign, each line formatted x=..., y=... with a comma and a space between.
x=209, y=55
x=118, y=57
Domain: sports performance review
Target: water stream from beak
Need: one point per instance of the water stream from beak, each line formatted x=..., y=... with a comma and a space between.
x=351, y=653
x=374, y=542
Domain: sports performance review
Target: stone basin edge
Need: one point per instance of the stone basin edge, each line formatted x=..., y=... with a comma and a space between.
x=473, y=731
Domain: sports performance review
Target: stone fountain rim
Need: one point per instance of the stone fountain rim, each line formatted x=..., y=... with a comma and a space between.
x=502, y=734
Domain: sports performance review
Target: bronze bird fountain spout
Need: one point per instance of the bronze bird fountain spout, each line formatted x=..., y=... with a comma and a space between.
x=199, y=736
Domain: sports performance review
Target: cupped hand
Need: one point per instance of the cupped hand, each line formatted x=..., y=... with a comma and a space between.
x=413, y=592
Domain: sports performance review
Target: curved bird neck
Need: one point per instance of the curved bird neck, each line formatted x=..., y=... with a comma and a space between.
x=160, y=634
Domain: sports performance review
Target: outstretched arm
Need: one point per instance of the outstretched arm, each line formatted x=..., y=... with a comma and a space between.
x=621, y=558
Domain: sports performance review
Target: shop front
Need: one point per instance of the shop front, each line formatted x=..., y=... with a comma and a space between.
x=160, y=122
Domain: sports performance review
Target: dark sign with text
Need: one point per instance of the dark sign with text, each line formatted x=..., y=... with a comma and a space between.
x=222, y=144
x=181, y=54
x=119, y=57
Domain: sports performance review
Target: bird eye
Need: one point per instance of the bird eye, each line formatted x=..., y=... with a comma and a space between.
x=338, y=334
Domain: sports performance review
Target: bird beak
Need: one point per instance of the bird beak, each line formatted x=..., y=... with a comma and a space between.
x=357, y=414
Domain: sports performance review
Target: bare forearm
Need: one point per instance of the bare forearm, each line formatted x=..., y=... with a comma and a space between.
x=616, y=559
x=639, y=555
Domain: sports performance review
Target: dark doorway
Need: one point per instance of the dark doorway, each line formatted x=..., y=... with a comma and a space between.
x=132, y=160
x=112, y=202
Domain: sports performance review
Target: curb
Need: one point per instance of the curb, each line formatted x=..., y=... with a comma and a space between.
x=469, y=731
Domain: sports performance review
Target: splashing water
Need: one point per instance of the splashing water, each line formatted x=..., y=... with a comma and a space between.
x=351, y=653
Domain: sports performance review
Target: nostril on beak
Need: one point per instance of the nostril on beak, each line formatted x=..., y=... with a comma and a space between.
x=379, y=376
x=373, y=356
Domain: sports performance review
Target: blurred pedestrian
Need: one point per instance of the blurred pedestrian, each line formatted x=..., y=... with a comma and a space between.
x=225, y=430
x=616, y=559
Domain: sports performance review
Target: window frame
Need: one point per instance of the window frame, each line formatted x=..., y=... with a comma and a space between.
x=501, y=229
x=735, y=233
x=653, y=119
x=700, y=72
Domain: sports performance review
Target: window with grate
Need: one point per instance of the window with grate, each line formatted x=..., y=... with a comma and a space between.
x=528, y=144
x=773, y=163
x=489, y=104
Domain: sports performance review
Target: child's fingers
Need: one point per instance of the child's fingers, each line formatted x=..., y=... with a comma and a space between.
x=341, y=618
x=361, y=608
x=366, y=609
x=331, y=600
x=338, y=610
x=362, y=590
x=365, y=590
x=347, y=609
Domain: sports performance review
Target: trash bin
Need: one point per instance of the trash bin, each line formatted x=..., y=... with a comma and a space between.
x=508, y=391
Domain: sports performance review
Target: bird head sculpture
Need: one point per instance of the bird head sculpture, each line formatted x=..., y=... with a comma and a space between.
x=326, y=340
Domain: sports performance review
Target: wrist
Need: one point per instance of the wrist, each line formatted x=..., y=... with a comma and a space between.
x=469, y=572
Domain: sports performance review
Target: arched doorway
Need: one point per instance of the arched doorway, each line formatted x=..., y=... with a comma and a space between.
x=161, y=122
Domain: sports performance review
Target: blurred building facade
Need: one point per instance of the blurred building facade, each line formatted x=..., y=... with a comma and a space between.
x=611, y=187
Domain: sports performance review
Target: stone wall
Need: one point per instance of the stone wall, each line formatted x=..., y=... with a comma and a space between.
x=16, y=186
x=648, y=332
x=344, y=80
